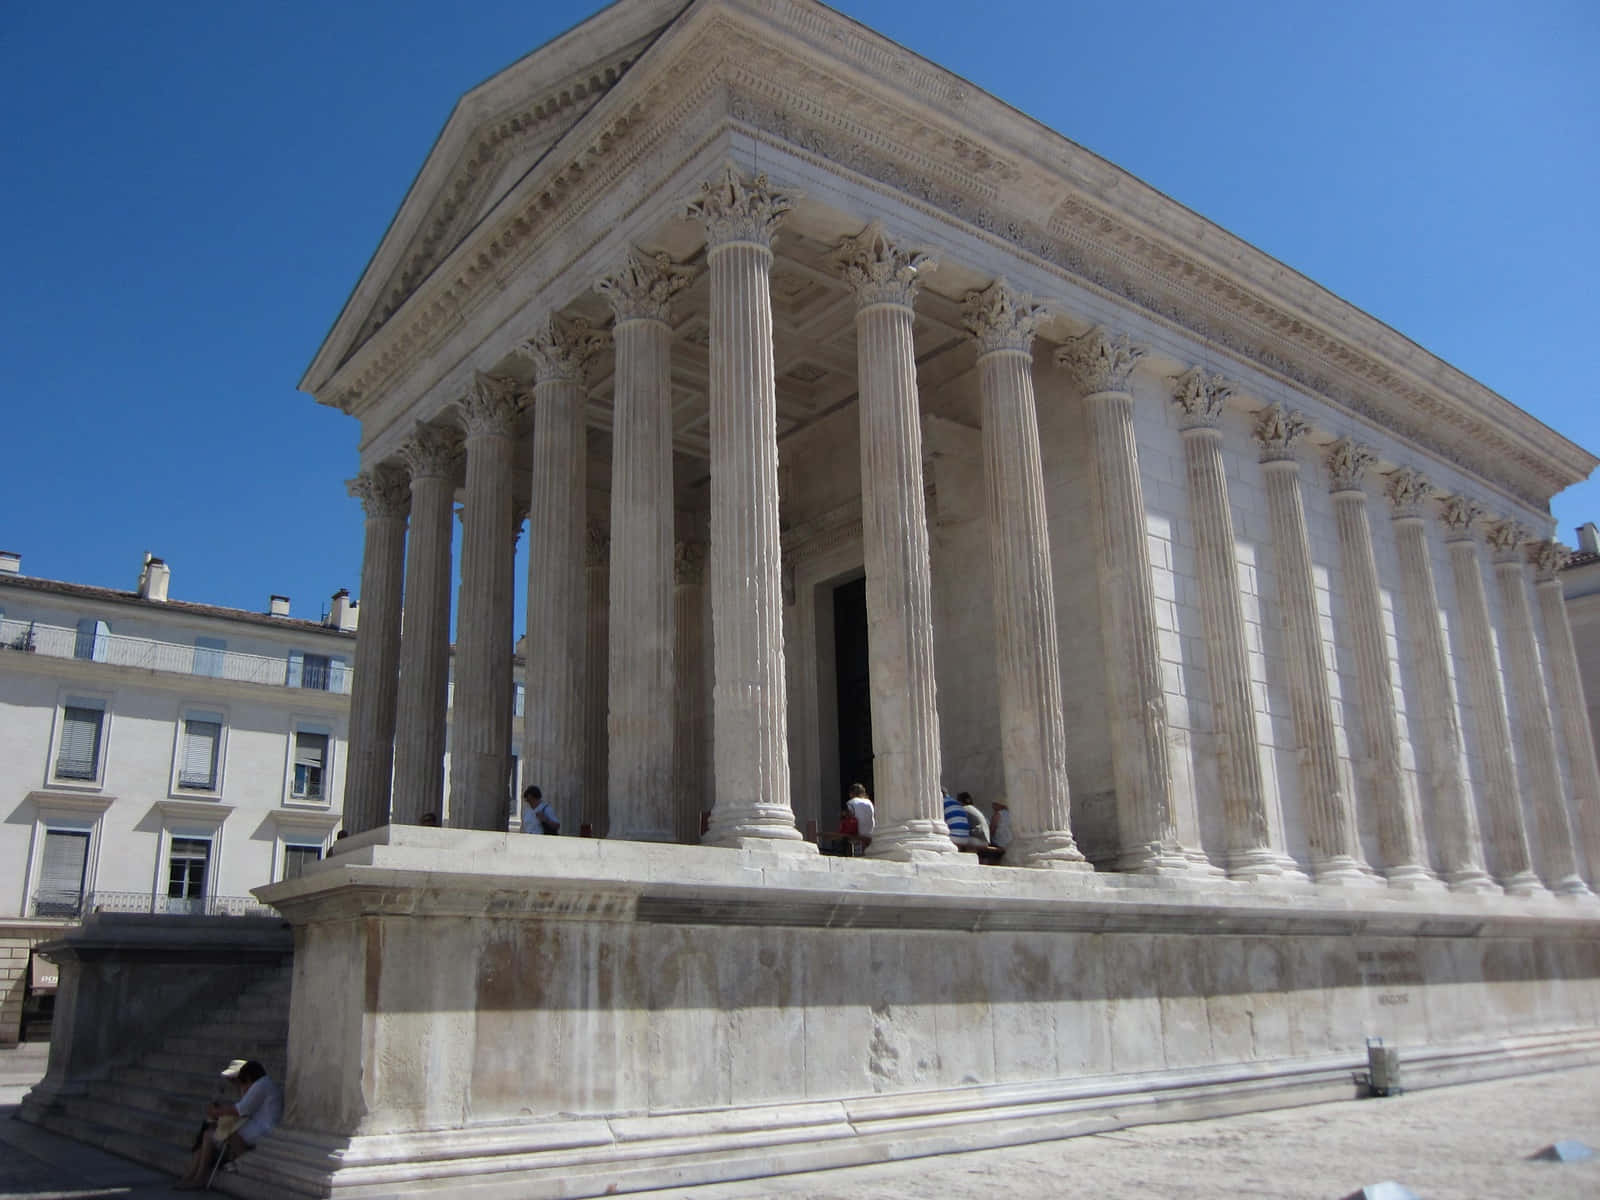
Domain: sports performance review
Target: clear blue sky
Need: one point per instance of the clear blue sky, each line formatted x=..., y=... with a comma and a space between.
x=192, y=188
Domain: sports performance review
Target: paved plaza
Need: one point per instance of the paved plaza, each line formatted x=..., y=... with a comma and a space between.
x=1463, y=1143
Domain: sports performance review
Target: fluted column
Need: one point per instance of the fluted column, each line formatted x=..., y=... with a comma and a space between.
x=1033, y=733
x=1146, y=819
x=481, y=721
x=1537, y=735
x=1509, y=857
x=749, y=711
x=596, y=691
x=641, y=668
x=905, y=716
x=385, y=495
x=1582, y=774
x=1200, y=399
x=431, y=455
x=1460, y=844
x=689, y=704
x=1325, y=802
x=1398, y=837
x=555, y=677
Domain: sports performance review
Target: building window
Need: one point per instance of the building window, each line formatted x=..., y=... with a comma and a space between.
x=78, y=755
x=187, y=863
x=310, y=765
x=61, y=874
x=200, y=752
x=313, y=671
x=92, y=641
x=296, y=858
x=208, y=656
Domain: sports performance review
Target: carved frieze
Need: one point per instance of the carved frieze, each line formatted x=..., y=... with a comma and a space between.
x=878, y=271
x=1001, y=318
x=1099, y=361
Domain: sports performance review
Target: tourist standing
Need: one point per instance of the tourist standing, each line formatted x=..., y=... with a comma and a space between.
x=538, y=814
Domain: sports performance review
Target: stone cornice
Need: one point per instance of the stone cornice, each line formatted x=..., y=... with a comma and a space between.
x=791, y=65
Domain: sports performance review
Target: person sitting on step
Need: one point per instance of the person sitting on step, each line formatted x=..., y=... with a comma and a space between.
x=234, y=1129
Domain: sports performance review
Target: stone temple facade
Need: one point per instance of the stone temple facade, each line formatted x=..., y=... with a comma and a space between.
x=1245, y=603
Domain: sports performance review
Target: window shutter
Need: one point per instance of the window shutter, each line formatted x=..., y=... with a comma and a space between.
x=208, y=656
x=198, y=767
x=338, y=675
x=297, y=664
x=297, y=858
x=66, y=856
x=310, y=749
x=91, y=640
x=79, y=756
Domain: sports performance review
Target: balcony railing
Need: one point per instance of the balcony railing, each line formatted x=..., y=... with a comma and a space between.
x=57, y=641
x=65, y=904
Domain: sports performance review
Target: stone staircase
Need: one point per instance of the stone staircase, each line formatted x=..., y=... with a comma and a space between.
x=149, y=1108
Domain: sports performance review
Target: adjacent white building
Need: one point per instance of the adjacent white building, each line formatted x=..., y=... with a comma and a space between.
x=161, y=755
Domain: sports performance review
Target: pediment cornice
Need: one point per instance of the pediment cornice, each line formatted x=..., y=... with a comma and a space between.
x=798, y=74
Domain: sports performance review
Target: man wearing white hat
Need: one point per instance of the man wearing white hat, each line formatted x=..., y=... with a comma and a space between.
x=238, y=1126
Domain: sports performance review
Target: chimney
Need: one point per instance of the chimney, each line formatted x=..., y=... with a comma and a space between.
x=342, y=611
x=154, y=579
x=277, y=606
x=10, y=562
x=1588, y=540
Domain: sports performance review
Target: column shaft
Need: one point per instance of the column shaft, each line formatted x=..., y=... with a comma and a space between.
x=1537, y=740
x=425, y=637
x=557, y=673
x=689, y=706
x=1460, y=845
x=750, y=718
x=480, y=752
x=374, y=691
x=1576, y=734
x=1147, y=827
x=1508, y=836
x=1398, y=837
x=596, y=654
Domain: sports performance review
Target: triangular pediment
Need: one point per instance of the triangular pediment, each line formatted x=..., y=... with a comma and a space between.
x=496, y=134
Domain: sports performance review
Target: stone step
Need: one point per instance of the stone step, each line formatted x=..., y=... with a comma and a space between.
x=161, y=1154
x=138, y=1116
x=207, y=1062
x=201, y=1050
x=170, y=1106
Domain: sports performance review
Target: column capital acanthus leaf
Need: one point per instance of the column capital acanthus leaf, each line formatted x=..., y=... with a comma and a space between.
x=1506, y=538
x=1200, y=397
x=1001, y=318
x=735, y=210
x=1549, y=556
x=1408, y=490
x=597, y=545
x=384, y=490
x=1100, y=361
x=431, y=452
x=643, y=288
x=560, y=348
x=1459, y=514
x=491, y=405
x=877, y=270
x=1348, y=461
x=1277, y=429
x=689, y=563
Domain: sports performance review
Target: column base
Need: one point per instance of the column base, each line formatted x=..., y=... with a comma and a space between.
x=1472, y=880
x=752, y=829
x=912, y=841
x=1262, y=863
x=1524, y=883
x=1050, y=851
x=1573, y=886
x=1157, y=859
x=1342, y=870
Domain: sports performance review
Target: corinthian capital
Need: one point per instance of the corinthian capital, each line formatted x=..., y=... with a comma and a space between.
x=384, y=491
x=1506, y=538
x=1001, y=318
x=1549, y=557
x=1100, y=362
x=733, y=210
x=643, y=289
x=491, y=405
x=1459, y=514
x=1347, y=465
x=560, y=349
x=431, y=452
x=1277, y=430
x=597, y=546
x=689, y=563
x=878, y=271
x=1408, y=490
x=1200, y=398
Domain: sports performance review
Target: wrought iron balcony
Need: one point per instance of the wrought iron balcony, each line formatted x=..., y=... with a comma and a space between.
x=75, y=906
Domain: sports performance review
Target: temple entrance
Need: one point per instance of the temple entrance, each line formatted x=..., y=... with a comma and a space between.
x=853, y=690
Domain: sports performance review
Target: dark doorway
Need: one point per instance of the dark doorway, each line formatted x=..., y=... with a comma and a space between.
x=854, y=686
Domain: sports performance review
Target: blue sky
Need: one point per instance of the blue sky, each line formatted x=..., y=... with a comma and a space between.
x=192, y=189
